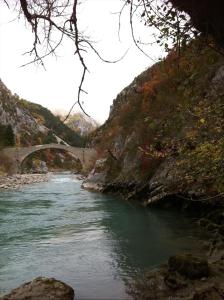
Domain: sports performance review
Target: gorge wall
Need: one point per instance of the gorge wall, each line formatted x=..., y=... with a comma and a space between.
x=23, y=123
x=164, y=134
x=31, y=123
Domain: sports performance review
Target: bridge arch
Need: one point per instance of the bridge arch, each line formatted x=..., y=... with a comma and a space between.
x=19, y=154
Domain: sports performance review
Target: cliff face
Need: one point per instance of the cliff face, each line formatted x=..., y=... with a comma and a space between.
x=165, y=130
x=25, y=127
x=81, y=124
x=31, y=123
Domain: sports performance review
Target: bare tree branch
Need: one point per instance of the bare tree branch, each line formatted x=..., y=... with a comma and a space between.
x=52, y=20
x=132, y=31
x=42, y=16
x=6, y=3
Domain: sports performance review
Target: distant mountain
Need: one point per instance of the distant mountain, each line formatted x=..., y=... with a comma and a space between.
x=25, y=123
x=81, y=124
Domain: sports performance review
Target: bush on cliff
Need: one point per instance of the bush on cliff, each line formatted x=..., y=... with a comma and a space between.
x=167, y=126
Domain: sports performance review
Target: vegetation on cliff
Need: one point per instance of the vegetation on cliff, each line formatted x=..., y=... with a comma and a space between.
x=166, y=127
x=24, y=123
x=45, y=117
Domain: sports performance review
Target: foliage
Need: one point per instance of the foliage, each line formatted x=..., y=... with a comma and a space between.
x=175, y=111
x=206, y=15
x=50, y=138
x=204, y=164
x=53, y=123
x=172, y=28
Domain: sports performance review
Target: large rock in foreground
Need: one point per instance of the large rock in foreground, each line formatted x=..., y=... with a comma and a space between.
x=96, y=179
x=41, y=288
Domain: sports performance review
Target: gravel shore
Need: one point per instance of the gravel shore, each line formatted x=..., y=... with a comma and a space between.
x=16, y=181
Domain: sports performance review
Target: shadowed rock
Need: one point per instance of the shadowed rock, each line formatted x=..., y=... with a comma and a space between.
x=189, y=266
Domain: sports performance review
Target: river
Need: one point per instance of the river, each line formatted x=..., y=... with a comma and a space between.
x=91, y=241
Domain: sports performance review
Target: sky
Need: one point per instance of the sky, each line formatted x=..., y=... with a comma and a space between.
x=56, y=87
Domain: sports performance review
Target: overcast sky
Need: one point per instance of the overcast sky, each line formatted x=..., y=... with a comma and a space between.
x=56, y=87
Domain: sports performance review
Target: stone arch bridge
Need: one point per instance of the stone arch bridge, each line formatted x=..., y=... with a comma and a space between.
x=18, y=154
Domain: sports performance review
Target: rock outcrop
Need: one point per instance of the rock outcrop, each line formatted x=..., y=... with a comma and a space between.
x=25, y=127
x=96, y=178
x=33, y=124
x=41, y=288
x=184, y=277
x=164, y=135
x=81, y=124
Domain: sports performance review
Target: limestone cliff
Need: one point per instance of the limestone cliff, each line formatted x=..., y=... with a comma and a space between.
x=164, y=134
x=81, y=124
x=24, y=125
x=31, y=123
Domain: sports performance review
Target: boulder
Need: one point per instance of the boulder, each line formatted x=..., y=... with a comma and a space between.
x=190, y=266
x=96, y=178
x=41, y=288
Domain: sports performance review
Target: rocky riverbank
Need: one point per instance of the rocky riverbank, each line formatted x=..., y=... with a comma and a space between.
x=18, y=180
x=185, y=277
x=192, y=276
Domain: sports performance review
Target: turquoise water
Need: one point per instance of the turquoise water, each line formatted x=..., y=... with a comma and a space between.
x=93, y=242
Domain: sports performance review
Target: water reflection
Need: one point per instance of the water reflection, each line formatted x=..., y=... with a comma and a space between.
x=143, y=239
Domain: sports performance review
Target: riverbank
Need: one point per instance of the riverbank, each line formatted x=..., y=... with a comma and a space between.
x=18, y=180
x=195, y=276
x=189, y=276
x=185, y=277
